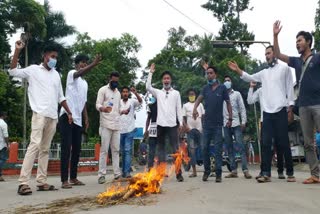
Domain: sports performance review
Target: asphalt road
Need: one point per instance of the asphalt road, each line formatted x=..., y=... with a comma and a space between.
x=236, y=195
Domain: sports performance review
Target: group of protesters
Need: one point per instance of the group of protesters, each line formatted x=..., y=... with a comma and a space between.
x=221, y=116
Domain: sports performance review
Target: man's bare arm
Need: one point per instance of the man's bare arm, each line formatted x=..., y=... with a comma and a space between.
x=276, y=30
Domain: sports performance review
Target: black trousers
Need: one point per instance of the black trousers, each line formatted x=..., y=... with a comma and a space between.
x=275, y=125
x=279, y=155
x=172, y=134
x=70, y=146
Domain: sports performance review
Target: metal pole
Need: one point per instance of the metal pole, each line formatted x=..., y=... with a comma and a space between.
x=25, y=86
x=257, y=130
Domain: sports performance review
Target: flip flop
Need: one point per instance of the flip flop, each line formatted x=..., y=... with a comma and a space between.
x=66, y=186
x=76, y=182
x=46, y=187
x=24, y=190
x=311, y=180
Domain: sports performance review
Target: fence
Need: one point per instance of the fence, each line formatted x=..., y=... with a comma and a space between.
x=87, y=151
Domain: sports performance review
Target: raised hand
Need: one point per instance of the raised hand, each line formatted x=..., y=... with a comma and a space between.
x=277, y=28
x=152, y=68
x=133, y=90
x=204, y=65
x=97, y=59
x=19, y=45
x=233, y=66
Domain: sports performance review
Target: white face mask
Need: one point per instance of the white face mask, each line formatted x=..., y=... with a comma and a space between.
x=228, y=84
x=167, y=86
x=52, y=63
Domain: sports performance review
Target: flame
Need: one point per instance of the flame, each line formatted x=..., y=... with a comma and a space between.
x=144, y=183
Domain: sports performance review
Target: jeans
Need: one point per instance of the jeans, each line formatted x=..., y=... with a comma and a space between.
x=152, y=151
x=215, y=134
x=126, y=142
x=3, y=158
x=310, y=119
x=70, y=146
x=275, y=126
x=194, y=141
x=172, y=133
x=237, y=133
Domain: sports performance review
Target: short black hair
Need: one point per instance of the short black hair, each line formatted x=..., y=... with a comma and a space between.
x=227, y=76
x=307, y=36
x=166, y=73
x=114, y=74
x=2, y=113
x=81, y=58
x=191, y=89
x=51, y=47
x=125, y=87
x=270, y=46
x=213, y=68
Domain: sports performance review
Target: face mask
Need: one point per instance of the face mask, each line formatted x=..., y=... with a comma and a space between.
x=113, y=85
x=274, y=61
x=152, y=100
x=52, y=63
x=168, y=86
x=211, y=82
x=192, y=98
x=228, y=84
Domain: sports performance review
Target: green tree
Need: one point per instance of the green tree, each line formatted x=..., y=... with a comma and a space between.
x=119, y=54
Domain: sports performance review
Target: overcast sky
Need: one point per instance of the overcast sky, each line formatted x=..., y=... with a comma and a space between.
x=149, y=20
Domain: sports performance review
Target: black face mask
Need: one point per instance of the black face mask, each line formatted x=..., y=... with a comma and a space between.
x=113, y=85
x=273, y=63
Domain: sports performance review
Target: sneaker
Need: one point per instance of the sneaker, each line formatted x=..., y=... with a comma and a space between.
x=264, y=179
x=117, y=177
x=281, y=176
x=291, y=178
x=1, y=179
x=101, y=180
x=218, y=179
x=258, y=176
x=232, y=175
x=247, y=175
x=179, y=177
x=205, y=177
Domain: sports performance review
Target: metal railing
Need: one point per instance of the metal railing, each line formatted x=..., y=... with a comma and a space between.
x=87, y=151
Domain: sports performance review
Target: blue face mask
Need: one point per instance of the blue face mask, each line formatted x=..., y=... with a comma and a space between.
x=113, y=85
x=211, y=82
x=152, y=100
x=228, y=84
x=52, y=63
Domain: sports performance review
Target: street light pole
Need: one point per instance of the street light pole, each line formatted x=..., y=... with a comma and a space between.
x=231, y=44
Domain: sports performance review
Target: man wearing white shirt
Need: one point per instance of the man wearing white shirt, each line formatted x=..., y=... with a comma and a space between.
x=169, y=116
x=4, y=142
x=44, y=92
x=108, y=104
x=127, y=124
x=193, y=127
x=252, y=98
x=76, y=95
x=239, y=120
x=277, y=95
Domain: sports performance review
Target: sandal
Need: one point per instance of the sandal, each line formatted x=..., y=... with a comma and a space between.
x=66, y=185
x=46, y=187
x=311, y=180
x=24, y=190
x=291, y=179
x=76, y=182
x=193, y=175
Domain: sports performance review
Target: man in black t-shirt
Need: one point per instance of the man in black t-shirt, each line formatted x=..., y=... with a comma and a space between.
x=307, y=70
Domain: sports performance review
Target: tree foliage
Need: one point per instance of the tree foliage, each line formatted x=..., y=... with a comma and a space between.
x=317, y=28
